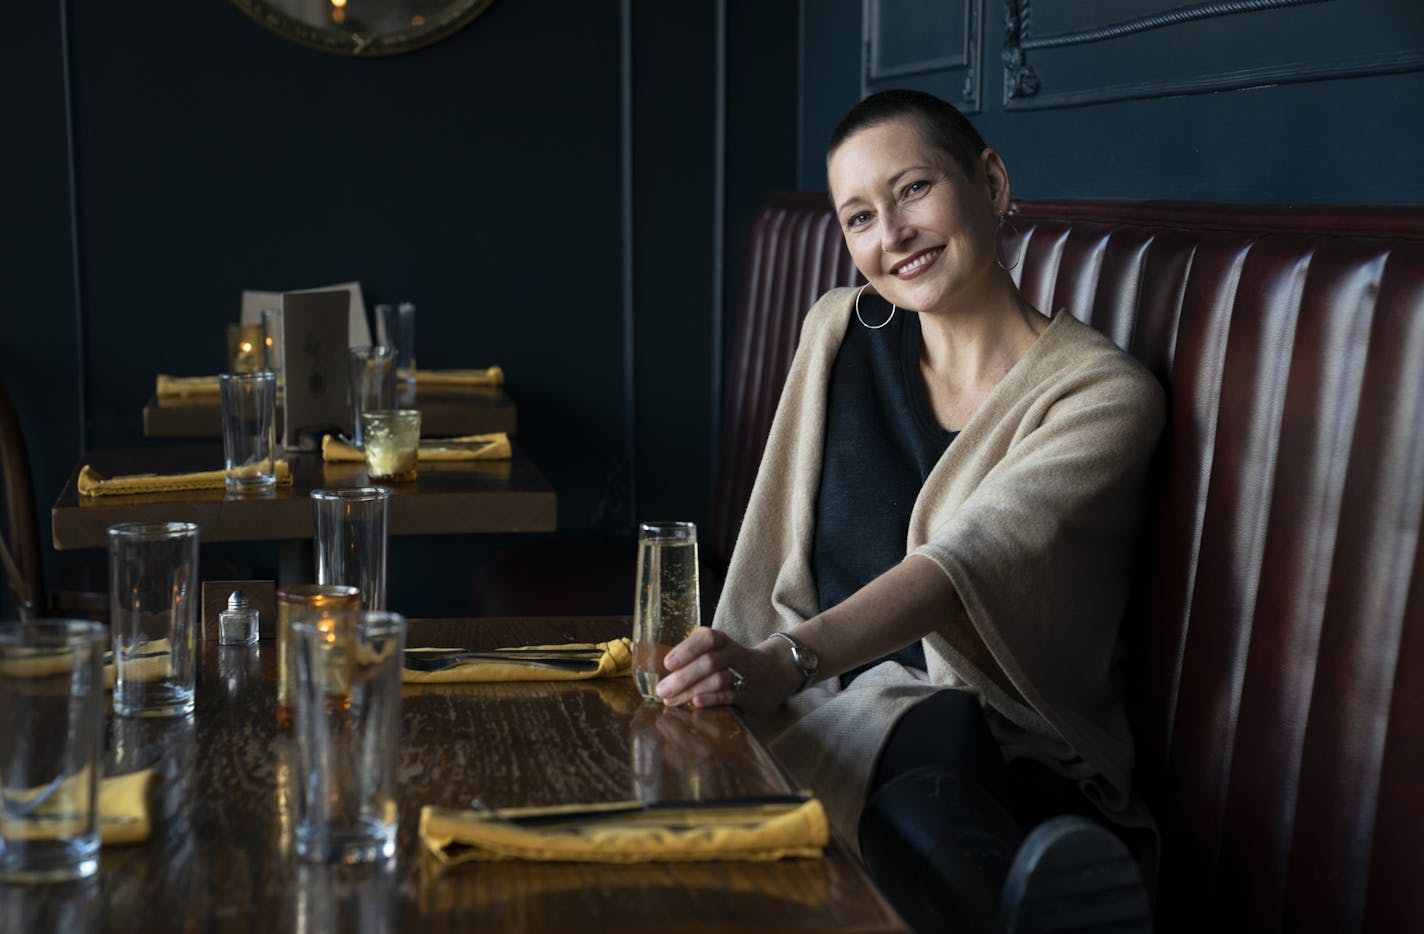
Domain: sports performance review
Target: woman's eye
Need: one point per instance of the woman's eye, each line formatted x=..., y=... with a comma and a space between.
x=915, y=188
x=856, y=220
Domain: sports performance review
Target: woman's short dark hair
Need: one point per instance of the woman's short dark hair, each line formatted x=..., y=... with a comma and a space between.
x=941, y=124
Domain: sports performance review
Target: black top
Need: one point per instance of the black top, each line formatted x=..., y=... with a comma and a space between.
x=881, y=442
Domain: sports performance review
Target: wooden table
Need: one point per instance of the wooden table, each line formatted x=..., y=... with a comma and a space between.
x=444, y=412
x=221, y=857
x=446, y=498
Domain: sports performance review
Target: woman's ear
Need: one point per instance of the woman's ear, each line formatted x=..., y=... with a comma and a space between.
x=996, y=176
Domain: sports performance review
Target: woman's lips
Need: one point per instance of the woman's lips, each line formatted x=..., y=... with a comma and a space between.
x=917, y=264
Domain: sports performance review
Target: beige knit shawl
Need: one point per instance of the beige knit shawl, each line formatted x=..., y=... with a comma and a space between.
x=1032, y=512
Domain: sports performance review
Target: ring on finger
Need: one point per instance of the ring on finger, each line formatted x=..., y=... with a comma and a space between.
x=738, y=680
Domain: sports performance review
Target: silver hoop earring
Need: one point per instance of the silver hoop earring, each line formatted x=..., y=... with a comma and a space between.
x=999, y=235
x=873, y=327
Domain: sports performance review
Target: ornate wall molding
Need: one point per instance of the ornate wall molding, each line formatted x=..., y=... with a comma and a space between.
x=954, y=72
x=1027, y=86
x=1019, y=78
x=1138, y=24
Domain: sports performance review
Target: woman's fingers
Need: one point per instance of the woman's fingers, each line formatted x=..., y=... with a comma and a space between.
x=696, y=669
x=702, y=641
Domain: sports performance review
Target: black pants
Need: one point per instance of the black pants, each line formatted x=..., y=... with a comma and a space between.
x=945, y=815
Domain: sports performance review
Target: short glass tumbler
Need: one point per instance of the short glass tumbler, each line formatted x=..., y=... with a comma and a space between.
x=249, y=406
x=392, y=444
x=153, y=615
x=667, y=605
x=52, y=695
x=347, y=709
x=371, y=383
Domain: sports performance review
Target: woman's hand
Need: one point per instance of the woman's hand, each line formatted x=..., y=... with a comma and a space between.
x=704, y=667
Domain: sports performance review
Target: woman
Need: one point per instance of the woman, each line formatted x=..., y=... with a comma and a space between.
x=928, y=584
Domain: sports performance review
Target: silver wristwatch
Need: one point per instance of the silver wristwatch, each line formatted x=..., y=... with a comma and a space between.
x=806, y=661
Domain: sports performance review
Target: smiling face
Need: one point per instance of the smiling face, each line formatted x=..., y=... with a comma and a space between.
x=918, y=228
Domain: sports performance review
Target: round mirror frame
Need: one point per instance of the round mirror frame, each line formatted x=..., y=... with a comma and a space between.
x=338, y=42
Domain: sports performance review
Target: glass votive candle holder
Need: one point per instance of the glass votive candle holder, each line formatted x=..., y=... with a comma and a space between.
x=244, y=348
x=304, y=602
x=392, y=438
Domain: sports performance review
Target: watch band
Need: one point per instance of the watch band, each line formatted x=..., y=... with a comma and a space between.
x=805, y=659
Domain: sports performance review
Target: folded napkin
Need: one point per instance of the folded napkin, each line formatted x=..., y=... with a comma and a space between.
x=93, y=483
x=173, y=387
x=146, y=661
x=436, y=379
x=572, y=661
x=123, y=807
x=490, y=447
x=631, y=832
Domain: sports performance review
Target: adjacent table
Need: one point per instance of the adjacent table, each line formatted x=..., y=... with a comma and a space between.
x=444, y=412
x=446, y=498
x=220, y=857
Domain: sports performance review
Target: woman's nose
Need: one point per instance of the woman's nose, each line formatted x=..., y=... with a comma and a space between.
x=894, y=232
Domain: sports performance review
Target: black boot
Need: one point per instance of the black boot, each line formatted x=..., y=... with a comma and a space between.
x=1073, y=874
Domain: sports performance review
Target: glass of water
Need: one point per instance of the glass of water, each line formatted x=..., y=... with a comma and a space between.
x=52, y=695
x=667, y=605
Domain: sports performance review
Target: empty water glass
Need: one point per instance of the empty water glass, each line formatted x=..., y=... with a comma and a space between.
x=52, y=695
x=153, y=610
x=371, y=383
x=350, y=539
x=347, y=710
x=249, y=405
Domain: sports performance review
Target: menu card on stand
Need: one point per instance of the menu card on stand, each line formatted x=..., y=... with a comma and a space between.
x=253, y=303
x=315, y=333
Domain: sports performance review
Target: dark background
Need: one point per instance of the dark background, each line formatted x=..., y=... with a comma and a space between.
x=565, y=188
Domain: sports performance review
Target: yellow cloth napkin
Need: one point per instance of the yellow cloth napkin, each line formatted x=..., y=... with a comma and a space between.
x=436, y=379
x=490, y=447
x=170, y=387
x=93, y=483
x=523, y=663
x=123, y=807
x=147, y=661
x=629, y=832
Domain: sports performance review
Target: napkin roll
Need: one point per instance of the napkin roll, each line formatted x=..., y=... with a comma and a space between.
x=630, y=832
x=436, y=379
x=122, y=806
x=93, y=483
x=486, y=447
x=615, y=659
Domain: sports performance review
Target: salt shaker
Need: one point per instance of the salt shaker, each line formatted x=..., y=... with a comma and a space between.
x=237, y=625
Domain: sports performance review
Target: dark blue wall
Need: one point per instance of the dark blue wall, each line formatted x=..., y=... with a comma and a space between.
x=1276, y=123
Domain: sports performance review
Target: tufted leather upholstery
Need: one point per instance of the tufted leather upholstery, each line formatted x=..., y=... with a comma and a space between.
x=795, y=254
x=1276, y=664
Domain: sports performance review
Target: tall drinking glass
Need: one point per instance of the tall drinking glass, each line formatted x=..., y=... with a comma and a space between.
x=371, y=383
x=297, y=602
x=272, y=345
x=153, y=604
x=347, y=708
x=398, y=328
x=350, y=540
x=52, y=695
x=249, y=407
x=667, y=606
